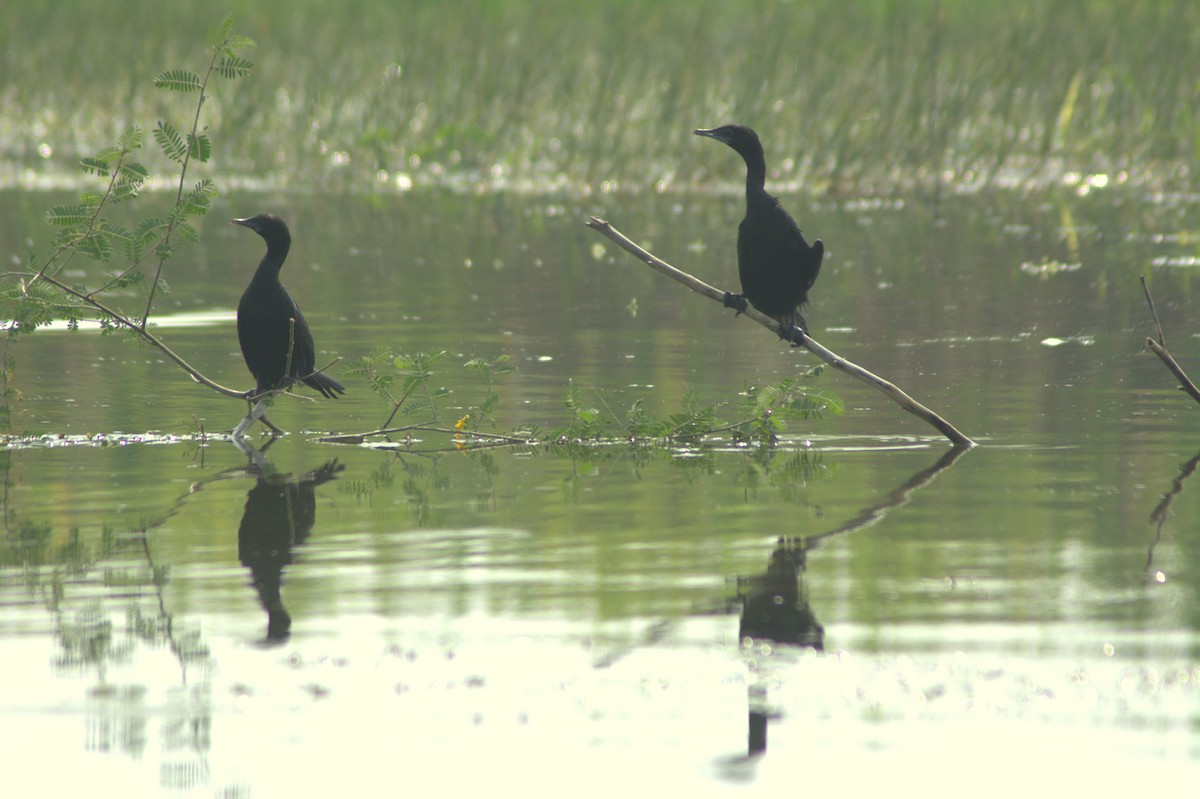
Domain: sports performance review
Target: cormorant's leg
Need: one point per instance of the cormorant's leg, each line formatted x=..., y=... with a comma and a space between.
x=275, y=431
x=240, y=431
x=736, y=301
x=253, y=416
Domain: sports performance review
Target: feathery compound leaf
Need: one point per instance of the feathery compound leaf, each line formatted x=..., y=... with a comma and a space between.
x=188, y=231
x=218, y=34
x=96, y=246
x=238, y=43
x=131, y=139
x=123, y=280
x=818, y=402
x=124, y=191
x=200, y=147
x=133, y=172
x=205, y=188
x=178, y=80
x=67, y=215
x=94, y=166
x=195, y=202
x=232, y=66
x=133, y=249
x=149, y=228
x=170, y=142
x=113, y=229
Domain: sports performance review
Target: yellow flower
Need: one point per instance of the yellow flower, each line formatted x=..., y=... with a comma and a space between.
x=461, y=424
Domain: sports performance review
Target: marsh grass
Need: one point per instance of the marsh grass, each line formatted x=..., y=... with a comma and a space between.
x=374, y=95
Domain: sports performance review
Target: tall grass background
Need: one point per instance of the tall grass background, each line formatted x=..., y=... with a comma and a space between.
x=869, y=96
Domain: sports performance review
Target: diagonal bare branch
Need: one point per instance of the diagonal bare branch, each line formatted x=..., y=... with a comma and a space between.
x=797, y=336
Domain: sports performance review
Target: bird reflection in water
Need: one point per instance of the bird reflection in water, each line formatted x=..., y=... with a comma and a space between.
x=279, y=515
x=774, y=609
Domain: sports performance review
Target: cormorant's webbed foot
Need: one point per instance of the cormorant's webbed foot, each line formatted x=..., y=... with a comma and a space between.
x=794, y=332
x=737, y=302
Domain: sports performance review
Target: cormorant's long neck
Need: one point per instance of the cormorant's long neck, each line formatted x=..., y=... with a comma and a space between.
x=756, y=173
x=268, y=268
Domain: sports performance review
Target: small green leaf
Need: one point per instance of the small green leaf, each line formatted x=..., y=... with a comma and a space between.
x=238, y=42
x=96, y=246
x=131, y=139
x=108, y=155
x=219, y=34
x=113, y=229
x=94, y=166
x=148, y=229
x=205, y=190
x=67, y=215
x=123, y=191
x=133, y=249
x=170, y=142
x=188, y=231
x=134, y=172
x=232, y=66
x=200, y=147
x=178, y=80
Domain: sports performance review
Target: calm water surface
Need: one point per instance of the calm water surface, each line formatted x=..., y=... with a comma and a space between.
x=594, y=618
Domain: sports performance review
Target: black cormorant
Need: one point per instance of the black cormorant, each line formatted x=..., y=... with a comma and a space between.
x=776, y=265
x=277, y=350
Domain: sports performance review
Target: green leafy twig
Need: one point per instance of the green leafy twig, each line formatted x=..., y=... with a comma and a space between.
x=41, y=295
x=228, y=64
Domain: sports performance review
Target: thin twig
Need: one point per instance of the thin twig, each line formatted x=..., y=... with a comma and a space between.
x=798, y=337
x=1153, y=311
x=147, y=336
x=117, y=278
x=1159, y=348
x=357, y=438
x=396, y=405
x=187, y=158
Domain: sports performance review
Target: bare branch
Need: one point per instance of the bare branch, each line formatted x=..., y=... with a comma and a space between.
x=1159, y=348
x=799, y=337
x=358, y=438
x=146, y=336
x=1153, y=311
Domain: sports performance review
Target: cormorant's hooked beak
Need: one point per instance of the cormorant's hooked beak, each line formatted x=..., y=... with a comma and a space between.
x=243, y=222
x=710, y=133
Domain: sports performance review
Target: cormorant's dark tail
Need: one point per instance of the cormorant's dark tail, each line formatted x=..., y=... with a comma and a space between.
x=325, y=384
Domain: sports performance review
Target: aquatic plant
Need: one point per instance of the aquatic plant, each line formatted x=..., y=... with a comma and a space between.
x=761, y=417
